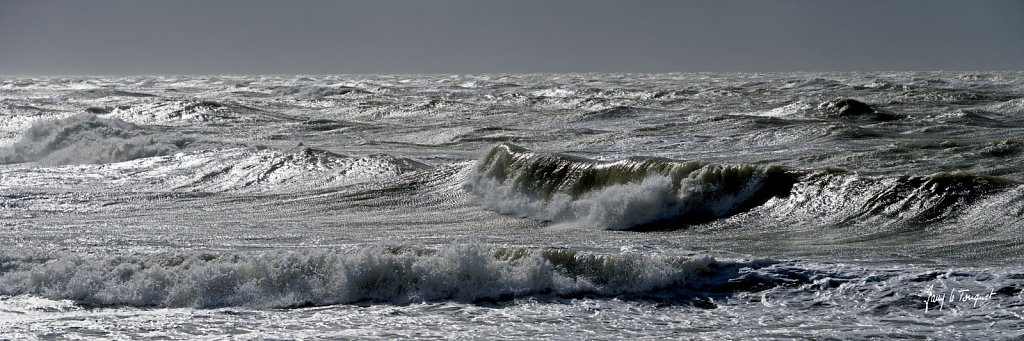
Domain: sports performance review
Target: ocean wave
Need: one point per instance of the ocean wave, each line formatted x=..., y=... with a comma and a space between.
x=950, y=96
x=632, y=193
x=185, y=112
x=99, y=93
x=846, y=109
x=616, y=112
x=87, y=138
x=884, y=203
x=1004, y=148
x=964, y=117
x=1012, y=109
x=651, y=193
x=314, y=91
x=265, y=170
x=468, y=273
x=814, y=83
x=924, y=199
x=855, y=110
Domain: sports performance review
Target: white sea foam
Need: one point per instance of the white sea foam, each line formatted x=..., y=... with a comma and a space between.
x=86, y=138
x=617, y=195
x=376, y=274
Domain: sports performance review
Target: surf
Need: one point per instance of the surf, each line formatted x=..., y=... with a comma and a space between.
x=627, y=194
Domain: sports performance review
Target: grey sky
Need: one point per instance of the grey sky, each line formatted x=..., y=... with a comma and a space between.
x=479, y=36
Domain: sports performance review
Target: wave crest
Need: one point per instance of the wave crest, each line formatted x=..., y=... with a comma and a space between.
x=632, y=193
x=466, y=273
x=87, y=138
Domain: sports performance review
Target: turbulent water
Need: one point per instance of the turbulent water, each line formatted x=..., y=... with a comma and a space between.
x=588, y=206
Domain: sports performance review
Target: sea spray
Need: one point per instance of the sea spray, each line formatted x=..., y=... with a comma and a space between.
x=619, y=195
x=464, y=273
x=87, y=138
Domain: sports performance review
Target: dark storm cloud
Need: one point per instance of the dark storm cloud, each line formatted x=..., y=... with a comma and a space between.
x=448, y=36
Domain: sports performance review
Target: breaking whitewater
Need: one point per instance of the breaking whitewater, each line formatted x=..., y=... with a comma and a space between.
x=596, y=206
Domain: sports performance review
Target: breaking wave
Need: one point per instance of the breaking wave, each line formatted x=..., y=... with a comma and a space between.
x=470, y=273
x=87, y=138
x=643, y=193
x=625, y=194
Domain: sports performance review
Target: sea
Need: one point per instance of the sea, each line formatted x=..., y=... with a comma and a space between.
x=714, y=206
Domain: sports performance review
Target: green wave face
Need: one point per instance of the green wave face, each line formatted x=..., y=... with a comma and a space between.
x=635, y=193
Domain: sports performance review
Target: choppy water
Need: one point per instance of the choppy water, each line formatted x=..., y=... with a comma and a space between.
x=598, y=206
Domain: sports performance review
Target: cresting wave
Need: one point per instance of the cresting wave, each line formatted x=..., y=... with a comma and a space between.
x=469, y=273
x=643, y=193
x=631, y=193
x=87, y=138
